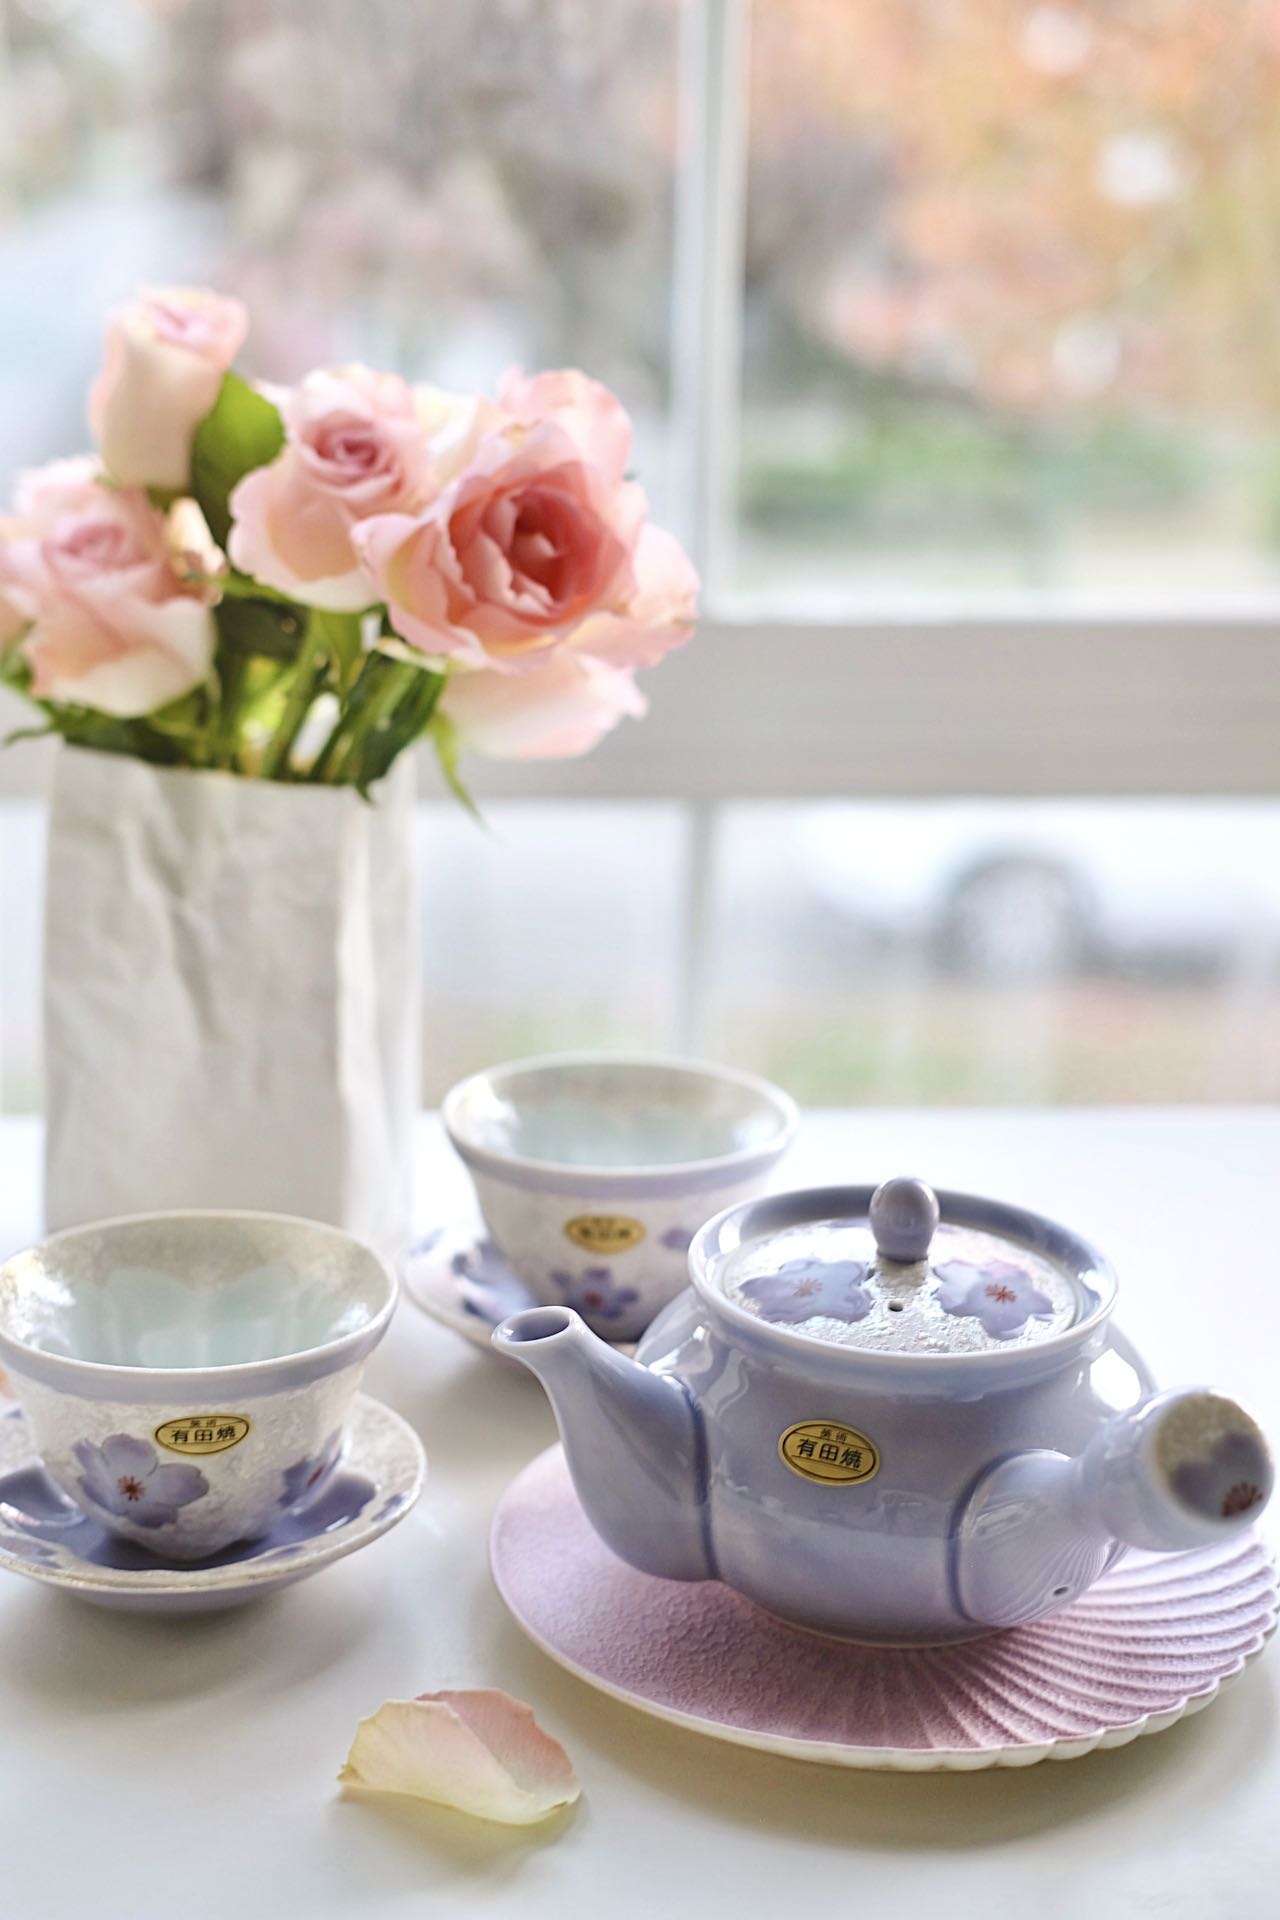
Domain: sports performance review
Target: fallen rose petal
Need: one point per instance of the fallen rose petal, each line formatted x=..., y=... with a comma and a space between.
x=477, y=1750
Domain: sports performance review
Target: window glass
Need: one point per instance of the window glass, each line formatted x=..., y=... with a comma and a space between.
x=905, y=953
x=1010, y=286
x=1002, y=951
x=446, y=190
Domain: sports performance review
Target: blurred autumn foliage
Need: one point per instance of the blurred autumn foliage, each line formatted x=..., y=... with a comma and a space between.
x=1050, y=205
x=1012, y=266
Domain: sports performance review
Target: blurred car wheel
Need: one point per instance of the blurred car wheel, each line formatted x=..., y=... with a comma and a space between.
x=1012, y=918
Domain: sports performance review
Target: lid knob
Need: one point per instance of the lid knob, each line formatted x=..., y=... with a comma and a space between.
x=904, y=1214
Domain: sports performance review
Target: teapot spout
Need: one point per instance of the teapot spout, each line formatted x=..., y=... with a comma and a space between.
x=631, y=1439
x=1181, y=1469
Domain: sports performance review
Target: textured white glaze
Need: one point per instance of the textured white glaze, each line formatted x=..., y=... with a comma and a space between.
x=906, y=1316
x=620, y=1112
x=247, y=1483
x=190, y=1290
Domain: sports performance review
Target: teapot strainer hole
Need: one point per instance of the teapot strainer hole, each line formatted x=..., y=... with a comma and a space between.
x=895, y=1306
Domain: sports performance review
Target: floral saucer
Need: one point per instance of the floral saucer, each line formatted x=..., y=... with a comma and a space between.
x=45, y=1536
x=1155, y=1638
x=457, y=1275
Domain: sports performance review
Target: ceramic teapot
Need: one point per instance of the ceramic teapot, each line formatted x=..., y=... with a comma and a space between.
x=892, y=1416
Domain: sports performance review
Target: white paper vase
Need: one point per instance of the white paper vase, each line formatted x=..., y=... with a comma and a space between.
x=231, y=996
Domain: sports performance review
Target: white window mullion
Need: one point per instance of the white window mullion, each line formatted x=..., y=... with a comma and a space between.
x=693, y=979
x=708, y=274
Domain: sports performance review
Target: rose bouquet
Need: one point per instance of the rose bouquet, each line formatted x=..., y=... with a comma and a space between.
x=290, y=585
x=294, y=584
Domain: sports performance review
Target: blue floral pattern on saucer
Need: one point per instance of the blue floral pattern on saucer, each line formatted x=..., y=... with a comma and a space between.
x=457, y=1275
x=361, y=1491
x=596, y=1294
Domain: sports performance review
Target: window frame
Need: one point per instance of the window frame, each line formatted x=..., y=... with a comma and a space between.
x=1016, y=696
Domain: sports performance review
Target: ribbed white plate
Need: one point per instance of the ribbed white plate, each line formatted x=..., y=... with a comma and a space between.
x=1155, y=1639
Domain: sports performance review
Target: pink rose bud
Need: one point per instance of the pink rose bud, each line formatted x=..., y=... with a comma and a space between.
x=166, y=355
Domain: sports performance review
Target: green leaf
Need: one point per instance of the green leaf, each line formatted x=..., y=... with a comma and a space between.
x=28, y=733
x=343, y=640
x=238, y=586
x=448, y=752
x=408, y=720
x=241, y=431
x=260, y=629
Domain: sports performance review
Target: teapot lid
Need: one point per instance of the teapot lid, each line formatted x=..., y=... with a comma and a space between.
x=908, y=1271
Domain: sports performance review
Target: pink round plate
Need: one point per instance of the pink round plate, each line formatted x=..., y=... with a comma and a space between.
x=1155, y=1639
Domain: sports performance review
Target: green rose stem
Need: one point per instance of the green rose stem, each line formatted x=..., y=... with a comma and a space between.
x=307, y=676
x=388, y=682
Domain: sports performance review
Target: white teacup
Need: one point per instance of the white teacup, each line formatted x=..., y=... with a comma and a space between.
x=594, y=1171
x=187, y=1376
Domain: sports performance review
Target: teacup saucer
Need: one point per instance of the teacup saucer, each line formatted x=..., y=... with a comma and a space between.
x=46, y=1536
x=1156, y=1638
x=457, y=1275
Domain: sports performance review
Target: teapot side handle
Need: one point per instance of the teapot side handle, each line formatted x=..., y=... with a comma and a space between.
x=1120, y=1344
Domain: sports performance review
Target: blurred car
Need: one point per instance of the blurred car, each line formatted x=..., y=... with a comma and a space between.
x=1041, y=888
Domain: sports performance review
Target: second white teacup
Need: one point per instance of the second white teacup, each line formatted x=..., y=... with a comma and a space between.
x=594, y=1171
x=187, y=1377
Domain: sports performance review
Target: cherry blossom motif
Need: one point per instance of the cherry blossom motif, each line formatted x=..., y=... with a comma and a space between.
x=595, y=1294
x=804, y=1289
x=999, y=1294
x=125, y=1478
x=1235, y=1478
x=304, y=1476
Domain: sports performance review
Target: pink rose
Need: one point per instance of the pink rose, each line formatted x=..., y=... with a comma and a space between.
x=356, y=445
x=561, y=709
x=511, y=557
x=595, y=419
x=539, y=543
x=17, y=611
x=114, y=625
x=660, y=613
x=166, y=355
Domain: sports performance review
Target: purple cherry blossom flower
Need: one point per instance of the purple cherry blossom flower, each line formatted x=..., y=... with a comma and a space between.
x=126, y=1478
x=1235, y=1478
x=304, y=1476
x=999, y=1294
x=595, y=1294
x=803, y=1289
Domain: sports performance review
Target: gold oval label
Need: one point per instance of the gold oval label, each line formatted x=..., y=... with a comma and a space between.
x=828, y=1451
x=203, y=1432
x=604, y=1232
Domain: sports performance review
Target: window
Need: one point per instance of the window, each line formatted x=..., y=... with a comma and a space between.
x=944, y=325
x=1008, y=268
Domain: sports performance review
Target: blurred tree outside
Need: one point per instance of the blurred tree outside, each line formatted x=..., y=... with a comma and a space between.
x=1012, y=271
x=1011, y=265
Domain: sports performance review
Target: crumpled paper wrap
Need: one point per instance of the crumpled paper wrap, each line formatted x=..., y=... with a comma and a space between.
x=231, y=996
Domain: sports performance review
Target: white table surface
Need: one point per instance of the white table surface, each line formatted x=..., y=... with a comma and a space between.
x=184, y=1770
